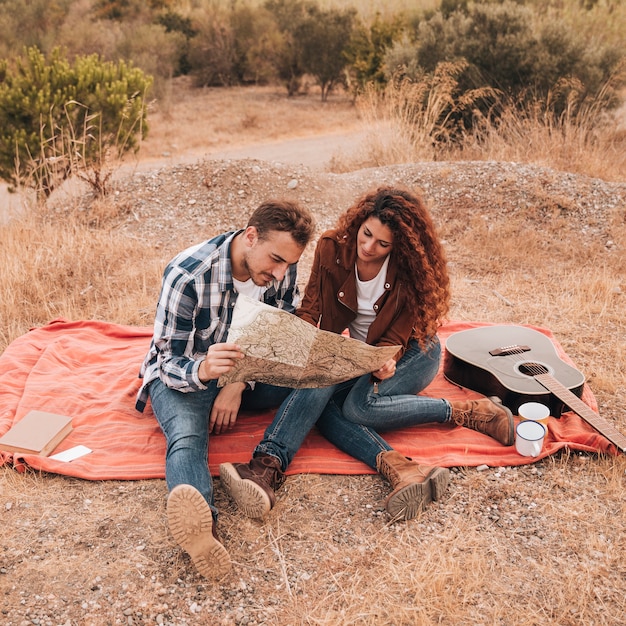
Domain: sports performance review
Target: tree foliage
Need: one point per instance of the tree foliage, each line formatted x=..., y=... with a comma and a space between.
x=556, y=51
x=288, y=15
x=322, y=39
x=366, y=51
x=32, y=23
x=212, y=54
x=507, y=48
x=58, y=118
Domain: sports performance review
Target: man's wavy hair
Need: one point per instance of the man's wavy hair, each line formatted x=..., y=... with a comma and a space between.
x=284, y=216
x=416, y=250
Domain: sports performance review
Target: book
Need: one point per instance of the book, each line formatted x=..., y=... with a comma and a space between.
x=38, y=432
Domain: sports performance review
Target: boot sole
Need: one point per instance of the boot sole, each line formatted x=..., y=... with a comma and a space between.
x=439, y=480
x=249, y=497
x=410, y=501
x=191, y=524
x=413, y=499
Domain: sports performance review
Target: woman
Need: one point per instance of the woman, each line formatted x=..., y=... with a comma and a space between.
x=382, y=274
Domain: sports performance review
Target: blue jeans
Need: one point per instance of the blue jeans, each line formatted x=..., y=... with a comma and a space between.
x=327, y=407
x=304, y=408
x=396, y=404
x=184, y=420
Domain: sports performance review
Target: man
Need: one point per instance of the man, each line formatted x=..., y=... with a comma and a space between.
x=188, y=353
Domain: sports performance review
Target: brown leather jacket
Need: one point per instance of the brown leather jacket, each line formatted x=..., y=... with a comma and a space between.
x=330, y=296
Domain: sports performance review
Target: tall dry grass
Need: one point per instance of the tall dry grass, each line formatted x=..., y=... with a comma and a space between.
x=73, y=266
x=409, y=123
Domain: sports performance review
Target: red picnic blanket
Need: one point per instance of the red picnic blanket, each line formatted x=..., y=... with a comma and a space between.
x=88, y=370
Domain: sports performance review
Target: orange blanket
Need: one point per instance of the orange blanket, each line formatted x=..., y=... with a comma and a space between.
x=88, y=370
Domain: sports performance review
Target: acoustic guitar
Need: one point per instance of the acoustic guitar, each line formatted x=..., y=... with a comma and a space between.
x=518, y=365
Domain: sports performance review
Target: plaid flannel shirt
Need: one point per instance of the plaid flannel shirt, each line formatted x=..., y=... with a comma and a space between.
x=195, y=310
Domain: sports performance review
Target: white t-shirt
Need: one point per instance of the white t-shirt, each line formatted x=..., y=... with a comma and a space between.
x=249, y=288
x=367, y=293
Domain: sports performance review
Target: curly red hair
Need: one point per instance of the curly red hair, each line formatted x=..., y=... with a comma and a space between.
x=416, y=250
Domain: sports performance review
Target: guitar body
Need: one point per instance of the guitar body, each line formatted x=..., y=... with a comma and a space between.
x=504, y=360
x=518, y=365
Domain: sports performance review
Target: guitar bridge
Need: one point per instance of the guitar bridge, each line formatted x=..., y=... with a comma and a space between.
x=507, y=350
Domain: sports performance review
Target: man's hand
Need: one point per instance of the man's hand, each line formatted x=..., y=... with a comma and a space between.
x=386, y=371
x=226, y=407
x=219, y=360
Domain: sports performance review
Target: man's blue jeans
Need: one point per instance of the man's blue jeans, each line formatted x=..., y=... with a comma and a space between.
x=350, y=414
x=184, y=420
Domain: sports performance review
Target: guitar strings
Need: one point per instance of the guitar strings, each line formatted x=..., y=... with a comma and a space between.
x=533, y=368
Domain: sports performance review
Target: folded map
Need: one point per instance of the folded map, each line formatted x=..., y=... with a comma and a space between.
x=281, y=349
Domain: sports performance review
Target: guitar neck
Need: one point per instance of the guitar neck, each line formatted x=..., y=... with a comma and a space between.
x=603, y=426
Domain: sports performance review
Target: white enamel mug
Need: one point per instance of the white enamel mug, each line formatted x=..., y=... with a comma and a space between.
x=529, y=437
x=534, y=411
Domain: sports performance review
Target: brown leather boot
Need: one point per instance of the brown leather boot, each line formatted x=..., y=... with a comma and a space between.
x=192, y=526
x=414, y=486
x=488, y=416
x=252, y=485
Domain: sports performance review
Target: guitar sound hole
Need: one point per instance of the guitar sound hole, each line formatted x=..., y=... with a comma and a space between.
x=532, y=369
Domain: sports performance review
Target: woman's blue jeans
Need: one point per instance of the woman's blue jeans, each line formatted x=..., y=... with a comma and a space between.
x=350, y=414
x=395, y=404
x=184, y=420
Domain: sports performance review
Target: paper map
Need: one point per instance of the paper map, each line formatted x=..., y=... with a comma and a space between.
x=281, y=349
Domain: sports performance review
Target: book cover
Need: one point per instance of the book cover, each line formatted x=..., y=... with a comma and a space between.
x=38, y=432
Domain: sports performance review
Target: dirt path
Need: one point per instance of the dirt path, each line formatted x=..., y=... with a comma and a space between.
x=315, y=152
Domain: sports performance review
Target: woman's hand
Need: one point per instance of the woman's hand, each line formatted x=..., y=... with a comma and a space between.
x=386, y=371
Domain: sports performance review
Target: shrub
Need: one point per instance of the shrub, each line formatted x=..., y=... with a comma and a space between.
x=256, y=42
x=59, y=119
x=212, y=54
x=288, y=15
x=366, y=52
x=32, y=23
x=509, y=48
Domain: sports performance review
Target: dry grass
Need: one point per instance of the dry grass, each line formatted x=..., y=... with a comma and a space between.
x=535, y=545
x=72, y=272
x=407, y=116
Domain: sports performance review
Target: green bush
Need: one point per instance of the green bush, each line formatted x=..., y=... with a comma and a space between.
x=510, y=48
x=256, y=43
x=59, y=119
x=366, y=51
x=288, y=15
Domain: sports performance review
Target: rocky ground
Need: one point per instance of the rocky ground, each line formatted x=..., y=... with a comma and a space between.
x=186, y=203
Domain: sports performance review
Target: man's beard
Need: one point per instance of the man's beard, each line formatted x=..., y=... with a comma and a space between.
x=259, y=279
